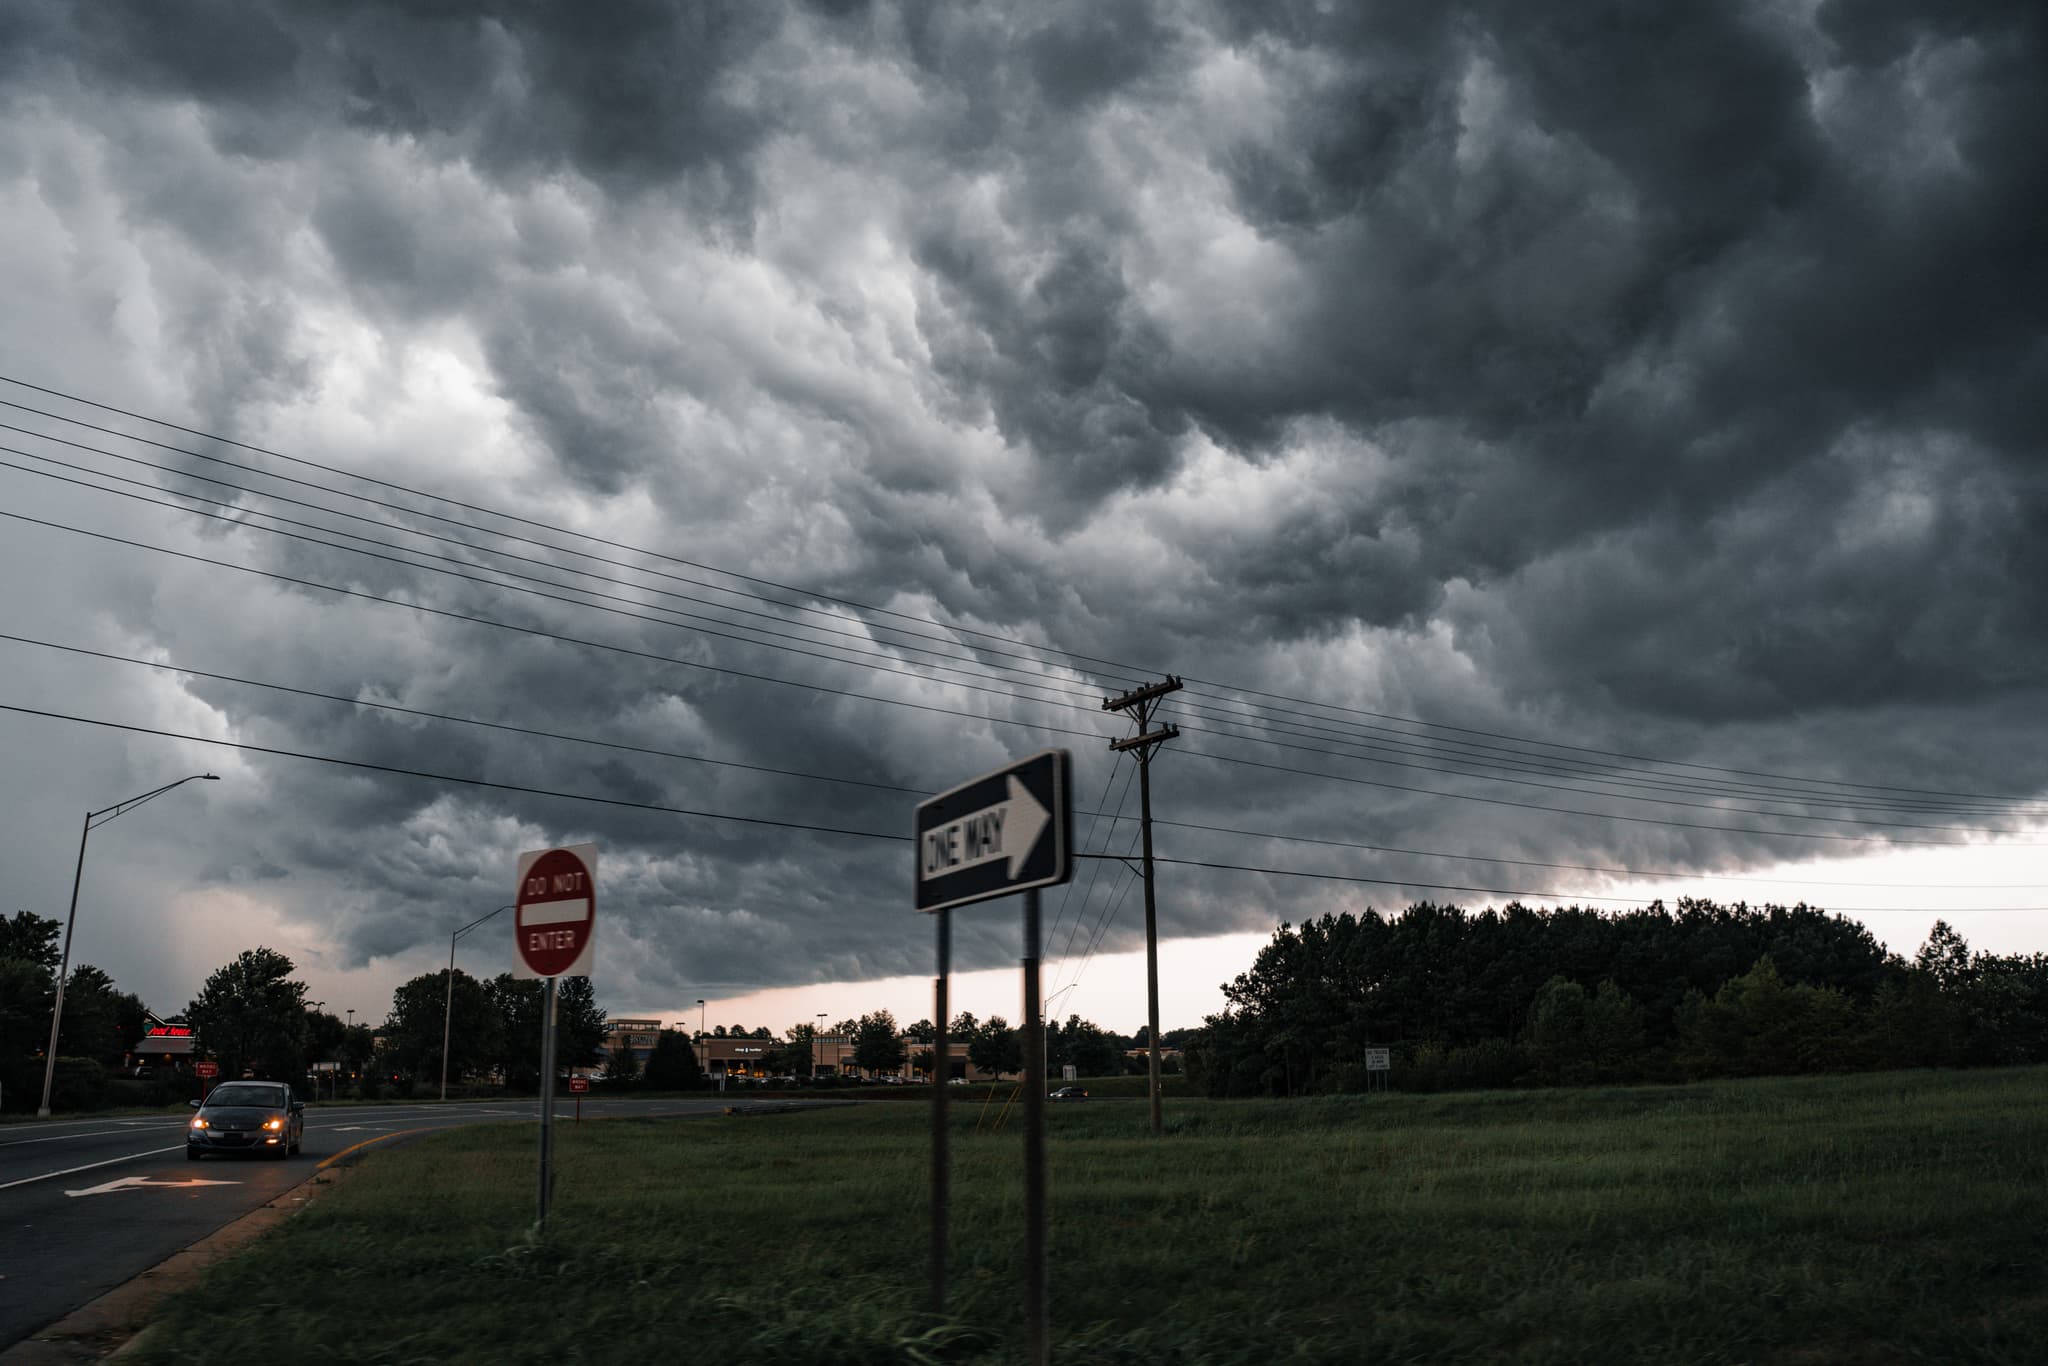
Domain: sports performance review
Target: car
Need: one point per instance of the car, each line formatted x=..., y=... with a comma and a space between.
x=247, y=1117
x=1068, y=1093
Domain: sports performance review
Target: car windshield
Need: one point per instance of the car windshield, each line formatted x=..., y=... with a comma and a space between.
x=245, y=1093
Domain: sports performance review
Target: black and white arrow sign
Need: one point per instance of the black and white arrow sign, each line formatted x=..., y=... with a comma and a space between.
x=1000, y=833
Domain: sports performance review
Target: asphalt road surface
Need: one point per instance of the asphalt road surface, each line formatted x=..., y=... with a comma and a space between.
x=87, y=1204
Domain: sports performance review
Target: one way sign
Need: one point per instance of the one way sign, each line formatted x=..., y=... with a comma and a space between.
x=1000, y=833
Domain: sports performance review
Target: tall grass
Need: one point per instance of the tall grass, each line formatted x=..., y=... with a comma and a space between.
x=1875, y=1218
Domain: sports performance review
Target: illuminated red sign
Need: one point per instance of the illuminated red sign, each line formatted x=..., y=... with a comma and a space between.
x=171, y=1032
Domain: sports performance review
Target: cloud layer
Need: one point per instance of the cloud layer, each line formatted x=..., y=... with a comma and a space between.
x=1662, y=381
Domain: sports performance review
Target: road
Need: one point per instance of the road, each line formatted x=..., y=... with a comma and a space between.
x=90, y=1203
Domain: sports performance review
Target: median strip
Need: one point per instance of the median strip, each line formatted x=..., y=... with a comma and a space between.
x=327, y=1162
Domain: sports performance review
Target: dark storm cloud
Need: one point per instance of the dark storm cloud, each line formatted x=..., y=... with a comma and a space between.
x=1667, y=377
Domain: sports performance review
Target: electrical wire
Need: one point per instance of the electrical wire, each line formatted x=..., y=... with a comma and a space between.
x=1040, y=727
x=1228, y=689
x=1098, y=814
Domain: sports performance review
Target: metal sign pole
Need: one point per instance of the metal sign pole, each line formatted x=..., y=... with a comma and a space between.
x=1037, y=1323
x=941, y=1078
x=547, y=1102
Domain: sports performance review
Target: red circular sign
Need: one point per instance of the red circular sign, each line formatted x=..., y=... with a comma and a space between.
x=557, y=908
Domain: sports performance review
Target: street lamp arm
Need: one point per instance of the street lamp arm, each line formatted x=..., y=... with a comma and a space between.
x=93, y=820
x=448, y=1010
x=478, y=921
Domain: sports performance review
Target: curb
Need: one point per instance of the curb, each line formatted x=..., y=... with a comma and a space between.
x=110, y=1325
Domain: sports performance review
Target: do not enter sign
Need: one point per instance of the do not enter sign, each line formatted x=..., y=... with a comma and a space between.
x=556, y=911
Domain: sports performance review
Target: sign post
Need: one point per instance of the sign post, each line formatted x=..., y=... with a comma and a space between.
x=206, y=1072
x=1004, y=832
x=553, y=922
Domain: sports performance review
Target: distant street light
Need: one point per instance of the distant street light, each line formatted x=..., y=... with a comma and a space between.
x=818, y=1046
x=100, y=817
x=703, y=1049
x=448, y=1014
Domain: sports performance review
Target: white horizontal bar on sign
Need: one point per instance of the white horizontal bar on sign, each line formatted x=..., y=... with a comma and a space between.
x=554, y=912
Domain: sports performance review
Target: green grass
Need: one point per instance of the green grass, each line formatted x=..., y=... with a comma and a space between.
x=1866, y=1219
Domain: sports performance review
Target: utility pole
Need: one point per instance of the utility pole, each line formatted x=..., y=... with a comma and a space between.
x=1141, y=704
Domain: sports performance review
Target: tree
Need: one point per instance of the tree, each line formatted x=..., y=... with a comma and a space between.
x=878, y=1044
x=252, y=1017
x=673, y=1064
x=621, y=1066
x=923, y=1032
x=101, y=1021
x=30, y=938
x=421, y=1013
x=1093, y=1050
x=798, y=1055
x=1557, y=1033
x=995, y=1047
x=521, y=1002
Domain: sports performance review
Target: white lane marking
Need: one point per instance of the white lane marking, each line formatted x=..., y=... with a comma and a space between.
x=132, y=1182
x=10, y=1185
x=95, y=1133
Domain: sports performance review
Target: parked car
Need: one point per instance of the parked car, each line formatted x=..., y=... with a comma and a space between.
x=1068, y=1093
x=247, y=1117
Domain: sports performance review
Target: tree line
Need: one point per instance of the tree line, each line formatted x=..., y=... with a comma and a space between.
x=1521, y=996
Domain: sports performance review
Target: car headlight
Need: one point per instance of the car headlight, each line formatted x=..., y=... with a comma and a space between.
x=198, y=1123
x=273, y=1123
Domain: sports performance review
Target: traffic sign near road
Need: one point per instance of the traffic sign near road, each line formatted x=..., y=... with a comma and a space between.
x=579, y=1085
x=556, y=914
x=205, y=1069
x=1000, y=833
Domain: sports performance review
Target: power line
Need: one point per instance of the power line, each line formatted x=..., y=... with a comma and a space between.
x=489, y=582
x=1038, y=726
x=471, y=507
x=169, y=667
x=1589, y=791
x=870, y=608
x=543, y=634
x=1519, y=760
x=1096, y=815
x=701, y=814
x=391, y=526
x=430, y=776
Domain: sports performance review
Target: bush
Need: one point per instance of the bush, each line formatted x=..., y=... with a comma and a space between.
x=81, y=1084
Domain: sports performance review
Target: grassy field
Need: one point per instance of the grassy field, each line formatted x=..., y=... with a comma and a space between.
x=1882, y=1218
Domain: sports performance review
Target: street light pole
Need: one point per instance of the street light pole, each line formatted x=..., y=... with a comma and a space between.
x=448, y=1012
x=818, y=1046
x=102, y=816
x=703, y=1062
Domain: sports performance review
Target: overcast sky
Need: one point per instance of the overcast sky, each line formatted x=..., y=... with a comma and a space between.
x=1553, y=434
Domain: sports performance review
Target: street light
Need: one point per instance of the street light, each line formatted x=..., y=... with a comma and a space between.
x=703, y=1049
x=818, y=1046
x=101, y=817
x=448, y=1014
x=1044, y=1034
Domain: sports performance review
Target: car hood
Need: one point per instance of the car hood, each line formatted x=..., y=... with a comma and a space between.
x=234, y=1115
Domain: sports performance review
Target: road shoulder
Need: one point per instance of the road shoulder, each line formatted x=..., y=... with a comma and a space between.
x=110, y=1324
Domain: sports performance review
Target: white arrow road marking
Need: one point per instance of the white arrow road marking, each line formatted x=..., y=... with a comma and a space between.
x=69, y=1171
x=131, y=1182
